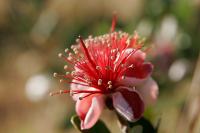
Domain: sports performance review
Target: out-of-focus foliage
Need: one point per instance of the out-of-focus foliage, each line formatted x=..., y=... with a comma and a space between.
x=32, y=32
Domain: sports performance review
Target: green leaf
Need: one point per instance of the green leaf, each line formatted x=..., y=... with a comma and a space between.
x=141, y=126
x=99, y=127
x=147, y=127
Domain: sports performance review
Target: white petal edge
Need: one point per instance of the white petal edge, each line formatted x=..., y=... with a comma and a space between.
x=122, y=106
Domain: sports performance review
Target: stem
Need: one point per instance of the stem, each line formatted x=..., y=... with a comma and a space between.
x=124, y=125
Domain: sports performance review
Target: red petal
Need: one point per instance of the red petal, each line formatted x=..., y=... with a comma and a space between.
x=128, y=103
x=137, y=58
x=139, y=71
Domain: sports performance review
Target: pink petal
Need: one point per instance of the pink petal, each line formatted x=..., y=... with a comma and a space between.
x=140, y=69
x=89, y=110
x=137, y=57
x=130, y=81
x=128, y=103
x=149, y=91
x=74, y=87
x=93, y=113
x=136, y=76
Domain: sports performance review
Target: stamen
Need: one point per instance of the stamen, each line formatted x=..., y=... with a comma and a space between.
x=75, y=50
x=107, y=67
x=109, y=51
x=69, y=58
x=67, y=73
x=74, y=92
x=73, y=73
x=98, y=67
x=109, y=82
x=59, y=92
x=131, y=66
x=100, y=82
x=66, y=50
x=112, y=57
x=71, y=93
x=80, y=98
x=128, y=41
x=72, y=46
x=60, y=55
x=90, y=36
x=110, y=86
x=142, y=41
x=114, y=19
x=62, y=80
x=65, y=67
x=86, y=52
x=113, y=50
x=77, y=40
x=70, y=54
x=56, y=75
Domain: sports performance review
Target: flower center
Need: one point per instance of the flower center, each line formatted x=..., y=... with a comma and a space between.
x=98, y=62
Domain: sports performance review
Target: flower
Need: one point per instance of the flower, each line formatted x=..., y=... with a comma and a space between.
x=111, y=66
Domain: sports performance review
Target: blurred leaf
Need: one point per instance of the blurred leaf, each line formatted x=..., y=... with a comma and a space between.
x=184, y=11
x=100, y=28
x=65, y=123
x=147, y=127
x=141, y=126
x=99, y=127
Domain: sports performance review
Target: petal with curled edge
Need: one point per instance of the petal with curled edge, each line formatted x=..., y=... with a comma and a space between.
x=149, y=91
x=89, y=110
x=128, y=103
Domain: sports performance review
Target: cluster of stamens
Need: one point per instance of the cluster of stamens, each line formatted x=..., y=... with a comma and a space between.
x=98, y=62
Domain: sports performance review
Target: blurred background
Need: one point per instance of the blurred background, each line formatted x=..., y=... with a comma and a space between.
x=33, y=32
